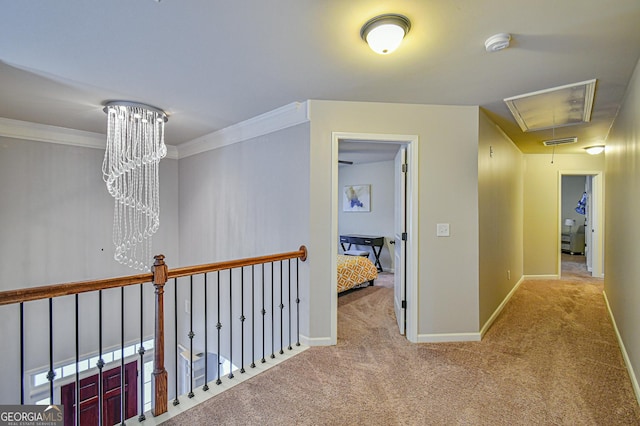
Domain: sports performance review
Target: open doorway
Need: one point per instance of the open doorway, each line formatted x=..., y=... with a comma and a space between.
x=580, y=216
x=373, y=161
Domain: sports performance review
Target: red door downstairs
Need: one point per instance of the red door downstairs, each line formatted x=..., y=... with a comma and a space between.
x=89, y=401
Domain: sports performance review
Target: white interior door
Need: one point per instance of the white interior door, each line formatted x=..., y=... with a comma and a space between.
x=400, y=218
x=588, y=252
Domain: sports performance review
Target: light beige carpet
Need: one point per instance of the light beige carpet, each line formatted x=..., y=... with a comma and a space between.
x=551, y=358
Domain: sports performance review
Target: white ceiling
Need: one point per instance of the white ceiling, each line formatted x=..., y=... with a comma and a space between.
x=213, y=63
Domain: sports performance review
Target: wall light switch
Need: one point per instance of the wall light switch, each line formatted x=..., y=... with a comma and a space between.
x=442, y=230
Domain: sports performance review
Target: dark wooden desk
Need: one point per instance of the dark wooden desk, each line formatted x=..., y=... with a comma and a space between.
x=375, y=243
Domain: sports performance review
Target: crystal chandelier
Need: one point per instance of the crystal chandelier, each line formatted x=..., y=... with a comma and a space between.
x=135, y=146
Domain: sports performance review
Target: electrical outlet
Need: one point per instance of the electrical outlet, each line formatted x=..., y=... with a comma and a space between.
x=442, y=230
x=508, y=274
x=187, y=306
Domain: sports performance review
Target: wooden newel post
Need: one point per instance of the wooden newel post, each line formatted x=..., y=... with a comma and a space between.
x=160, y=386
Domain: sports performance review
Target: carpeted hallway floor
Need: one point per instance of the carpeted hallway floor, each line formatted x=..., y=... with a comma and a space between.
x=551, y=358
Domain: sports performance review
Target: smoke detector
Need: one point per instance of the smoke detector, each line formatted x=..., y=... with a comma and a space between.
x=497, y=42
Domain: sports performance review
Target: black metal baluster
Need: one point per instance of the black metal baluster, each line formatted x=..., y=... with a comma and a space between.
x=289, y=305
x=297, y=303
x=230, y=324
x=22, y=353
x=141, y=351
x=176, y=401
x=253, y=315
x=77, y=387
x=281, y=306
x=122, y=375
x=52, y=374
x=242, y=318
x=273, y=334
x=100, y=362
x=263, y=312
x=205, y=387
x=191, y=335
x=218, y=327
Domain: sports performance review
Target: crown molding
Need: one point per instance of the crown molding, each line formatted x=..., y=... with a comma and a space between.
x=281, y=118
x=59, y=135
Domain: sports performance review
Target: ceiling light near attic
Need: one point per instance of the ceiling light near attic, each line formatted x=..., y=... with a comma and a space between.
x=594, y=150
x=384, y=33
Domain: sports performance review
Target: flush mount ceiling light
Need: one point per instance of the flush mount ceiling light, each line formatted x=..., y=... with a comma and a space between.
x=557, y=107
x=594, y=150
x=497, y=42
x=135, y=146
x=384, y=33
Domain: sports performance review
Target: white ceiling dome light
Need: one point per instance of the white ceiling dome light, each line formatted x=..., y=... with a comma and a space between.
x=497, y=42
x=595, y=150
x=384, y=33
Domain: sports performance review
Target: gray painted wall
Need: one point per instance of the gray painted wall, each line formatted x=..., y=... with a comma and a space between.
x=246, y=199
x=380, y=220
x=572, y=190
x=56, y=225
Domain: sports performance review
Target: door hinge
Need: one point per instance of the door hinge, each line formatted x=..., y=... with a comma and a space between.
x=404, y=304
x=404, y=168
x=404, y=236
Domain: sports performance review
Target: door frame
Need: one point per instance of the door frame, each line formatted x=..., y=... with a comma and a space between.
x=411, y=142
x=597, y=190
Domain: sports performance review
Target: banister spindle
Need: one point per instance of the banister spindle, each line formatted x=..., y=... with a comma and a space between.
x=230, y=323
x=289, y=305
x=21, y=353
x=281, y=306
x=242, y=318
x=191, y=335
x=141, y=352
x=77, y=385
x=218, y=327
x=100, y=363
x=273, y=334
x=263, y=312
x=159, y=372
x=205, y=387
x=176, y=401
x=122, y=375
x=297, y=303
x=253, y=315
x=52, y=374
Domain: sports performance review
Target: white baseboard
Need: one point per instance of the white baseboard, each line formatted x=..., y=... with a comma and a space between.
x=315, y=341
x=542, y=277
x=495, y=314
x=448, y=337
x=625, y=356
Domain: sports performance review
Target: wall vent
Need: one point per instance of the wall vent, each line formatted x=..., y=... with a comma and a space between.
x=562, y=141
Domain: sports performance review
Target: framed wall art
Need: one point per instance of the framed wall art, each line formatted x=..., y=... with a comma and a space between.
x=356, y=198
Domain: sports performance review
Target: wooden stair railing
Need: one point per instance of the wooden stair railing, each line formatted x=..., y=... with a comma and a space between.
x=159, y=276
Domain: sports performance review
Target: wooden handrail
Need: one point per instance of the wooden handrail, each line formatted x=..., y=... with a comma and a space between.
x=56, y=290
x=301, y=254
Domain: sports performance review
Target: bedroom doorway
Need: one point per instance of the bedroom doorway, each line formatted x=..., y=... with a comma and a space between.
x=581, y=223
x=384, y=155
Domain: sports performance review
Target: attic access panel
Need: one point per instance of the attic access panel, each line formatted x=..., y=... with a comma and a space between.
x=556, y=107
